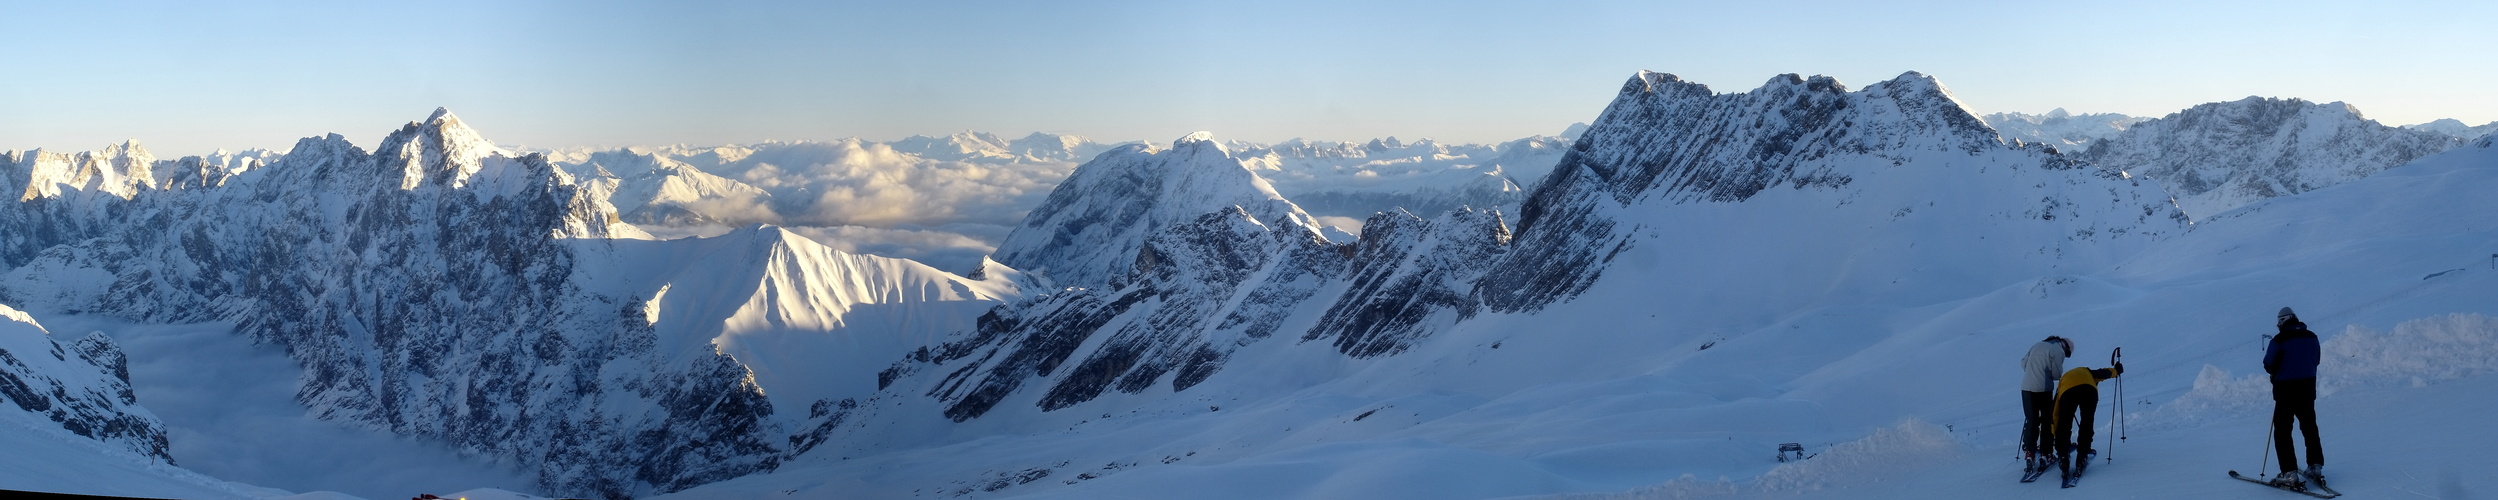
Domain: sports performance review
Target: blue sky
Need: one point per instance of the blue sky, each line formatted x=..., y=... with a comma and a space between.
x=187, y=77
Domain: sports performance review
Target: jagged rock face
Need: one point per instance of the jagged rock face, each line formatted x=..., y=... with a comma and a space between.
x=2218, y=156
x=2064, y=130
x=429, y=289
x=83, y=385
x=1190, y=293
x=1665, y=142
x=1408, y=276
x=1195, y=292
x=1090, y=229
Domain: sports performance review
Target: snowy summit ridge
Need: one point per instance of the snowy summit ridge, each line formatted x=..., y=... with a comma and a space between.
x=2218, y=156
x=1087, y=232
x=1904, y=143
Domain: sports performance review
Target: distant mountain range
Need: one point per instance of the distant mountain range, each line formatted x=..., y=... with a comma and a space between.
x=511, y=305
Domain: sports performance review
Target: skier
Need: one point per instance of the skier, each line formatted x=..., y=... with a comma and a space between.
x=2292, y=359
x=2077, y=406
x=2038, y=375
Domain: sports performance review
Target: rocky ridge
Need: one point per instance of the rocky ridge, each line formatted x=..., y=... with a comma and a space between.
x=83, y=386
x=430, y=288
x=2218, y=156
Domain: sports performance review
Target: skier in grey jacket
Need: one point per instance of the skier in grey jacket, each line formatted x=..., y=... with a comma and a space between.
x=2039, y=372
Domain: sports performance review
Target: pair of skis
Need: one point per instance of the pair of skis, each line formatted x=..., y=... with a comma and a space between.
x=2115, y=357
x=2070, y=479
x=2318, y=490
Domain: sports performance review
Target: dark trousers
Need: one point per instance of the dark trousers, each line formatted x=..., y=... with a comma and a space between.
x=2078, y=409
x=2295, y=400
x=2035, y=437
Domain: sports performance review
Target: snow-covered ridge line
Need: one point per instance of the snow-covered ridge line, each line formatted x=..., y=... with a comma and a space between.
x=1667, y=142
x=1186, y=282
x=81, y=386
x=2218, y=156
x=1088, y=232
x=2063, y=129
x=434, y=287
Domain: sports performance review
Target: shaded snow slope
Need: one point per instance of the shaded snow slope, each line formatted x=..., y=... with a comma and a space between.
x=229, y=411
x=1802, y=174
x=1455, y=344
x=81, y=386
x=2218, y=156
x=72, y=424
x=1647, y=384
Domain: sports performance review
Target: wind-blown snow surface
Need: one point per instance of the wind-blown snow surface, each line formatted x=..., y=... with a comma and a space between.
x=441, y=289
x=2218, y=156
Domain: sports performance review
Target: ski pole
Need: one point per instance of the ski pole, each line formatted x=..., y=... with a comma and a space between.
x=2266, y=463
x=2116, y=358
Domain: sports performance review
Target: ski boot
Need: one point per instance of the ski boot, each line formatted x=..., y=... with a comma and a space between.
x=2064, y=467
x=2315, y=474
x=2289, y=481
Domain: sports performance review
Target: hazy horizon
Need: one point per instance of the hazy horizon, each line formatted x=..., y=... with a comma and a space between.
x=186, y=79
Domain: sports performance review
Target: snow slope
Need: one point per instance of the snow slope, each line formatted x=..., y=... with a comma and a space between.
x=1667, y=187
x=73, y=425
x=1742, y=314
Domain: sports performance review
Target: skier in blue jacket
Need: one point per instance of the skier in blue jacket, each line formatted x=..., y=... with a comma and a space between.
x=2291, y=358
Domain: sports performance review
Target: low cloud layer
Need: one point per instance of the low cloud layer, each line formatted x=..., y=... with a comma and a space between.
x=855, y=183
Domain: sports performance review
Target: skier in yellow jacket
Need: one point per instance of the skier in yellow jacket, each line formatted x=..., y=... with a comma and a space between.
x=2077, y=406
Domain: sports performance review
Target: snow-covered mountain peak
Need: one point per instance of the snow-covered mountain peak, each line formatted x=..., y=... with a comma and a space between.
x=1088, y=231
x=118, y=170
x=2457, y=128
x=441, y=150
x=1200, y=139
x=1665, y=146
x=1651, y=82
x=1727, y=147
x=2060, y=128
x=2217, y=156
